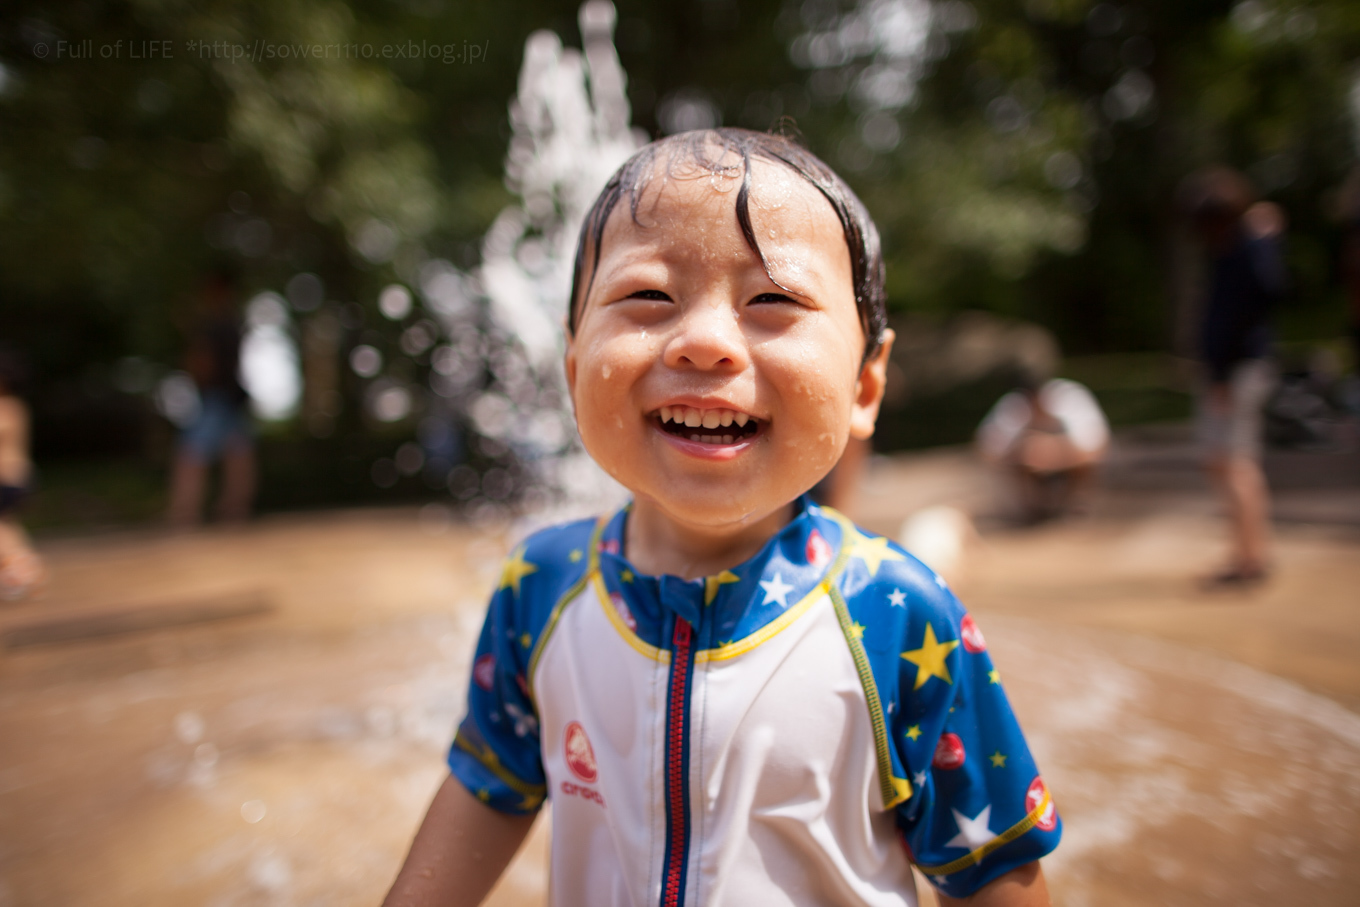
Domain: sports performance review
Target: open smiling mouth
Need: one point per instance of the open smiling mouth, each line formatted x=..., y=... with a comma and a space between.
x=707, y=426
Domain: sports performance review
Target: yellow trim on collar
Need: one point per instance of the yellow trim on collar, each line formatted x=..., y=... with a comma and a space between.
x=644, y=648
x=765, y=633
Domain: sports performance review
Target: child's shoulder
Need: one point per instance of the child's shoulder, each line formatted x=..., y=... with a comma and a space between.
x=548, y=562
x=892, y=599
x=879, y=573
x=560, y=540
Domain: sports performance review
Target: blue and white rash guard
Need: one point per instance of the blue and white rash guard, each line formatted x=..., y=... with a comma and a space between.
x=797, y=730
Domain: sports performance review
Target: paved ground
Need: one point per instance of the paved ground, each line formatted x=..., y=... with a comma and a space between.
x=1203, y=749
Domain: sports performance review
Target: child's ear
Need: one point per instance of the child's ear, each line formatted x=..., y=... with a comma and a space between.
x=873, y=378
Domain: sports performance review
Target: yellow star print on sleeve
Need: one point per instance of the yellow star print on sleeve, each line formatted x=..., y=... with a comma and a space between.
x=873, y=551
x=515, y=569
x=930, y=658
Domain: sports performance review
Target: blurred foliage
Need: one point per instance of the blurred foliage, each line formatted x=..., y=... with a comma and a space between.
x=1020, y=158
x=1039, y=155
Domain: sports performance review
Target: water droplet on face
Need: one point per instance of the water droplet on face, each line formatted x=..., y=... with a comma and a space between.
x=607, y=371
x=253, y=811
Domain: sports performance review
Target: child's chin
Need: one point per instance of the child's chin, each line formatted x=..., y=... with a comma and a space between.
x=702, y=504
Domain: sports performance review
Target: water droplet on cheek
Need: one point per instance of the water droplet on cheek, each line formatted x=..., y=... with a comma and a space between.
x=606, y=371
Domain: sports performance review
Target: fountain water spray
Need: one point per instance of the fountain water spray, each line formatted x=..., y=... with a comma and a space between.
x=570, y=120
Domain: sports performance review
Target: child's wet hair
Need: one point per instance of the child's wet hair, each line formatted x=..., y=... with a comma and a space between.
x=707, y=149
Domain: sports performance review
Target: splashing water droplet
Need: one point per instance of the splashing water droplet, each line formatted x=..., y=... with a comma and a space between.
x=253, y=811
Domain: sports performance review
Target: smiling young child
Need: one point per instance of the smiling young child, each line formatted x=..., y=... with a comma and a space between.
x=733, y=696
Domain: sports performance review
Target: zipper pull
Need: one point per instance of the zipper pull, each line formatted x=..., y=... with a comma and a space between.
x=682, y=632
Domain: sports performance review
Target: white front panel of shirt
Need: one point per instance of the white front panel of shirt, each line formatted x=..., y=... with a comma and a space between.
x=603, y=854
x=784, y=793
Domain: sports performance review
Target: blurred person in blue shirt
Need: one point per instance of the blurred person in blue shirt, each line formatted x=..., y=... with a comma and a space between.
x=222, y=429
x=1246, y=278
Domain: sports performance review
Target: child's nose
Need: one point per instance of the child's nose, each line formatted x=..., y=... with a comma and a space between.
x=709, y=337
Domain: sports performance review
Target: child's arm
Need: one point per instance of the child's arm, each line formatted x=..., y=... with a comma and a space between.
x=1022, y=887
x=460, y=851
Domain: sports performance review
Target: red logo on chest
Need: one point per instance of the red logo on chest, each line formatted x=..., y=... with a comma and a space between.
x=580, y=755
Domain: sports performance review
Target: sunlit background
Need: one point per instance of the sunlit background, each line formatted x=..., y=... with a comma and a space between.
x=394, y=189
x=385, y=215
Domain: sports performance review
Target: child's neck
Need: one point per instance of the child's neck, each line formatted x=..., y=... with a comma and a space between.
x=657, y=543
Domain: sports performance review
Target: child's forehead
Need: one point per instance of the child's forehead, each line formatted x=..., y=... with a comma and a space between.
x=681, y=199
x=680, y=186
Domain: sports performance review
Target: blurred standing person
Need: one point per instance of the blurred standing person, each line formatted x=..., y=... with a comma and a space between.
x=1246, y=278
x=21, y=570
x=1050, y=436
x=1350, y=259
x=222, y=429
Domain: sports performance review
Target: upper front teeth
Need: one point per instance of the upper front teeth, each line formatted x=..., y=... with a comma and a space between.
x=708, y=418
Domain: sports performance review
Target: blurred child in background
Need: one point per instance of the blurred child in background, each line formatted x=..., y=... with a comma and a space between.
x=21, y=570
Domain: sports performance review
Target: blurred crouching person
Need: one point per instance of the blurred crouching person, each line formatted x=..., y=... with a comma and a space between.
x=21, y=570
x=1246, y=278
x=223, y=429
x=1049, y=436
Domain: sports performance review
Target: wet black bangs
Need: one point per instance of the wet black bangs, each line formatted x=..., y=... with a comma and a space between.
x=707, y=149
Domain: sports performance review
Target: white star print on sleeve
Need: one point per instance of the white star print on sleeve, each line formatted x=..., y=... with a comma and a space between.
x=973, y=833
x=524, y=722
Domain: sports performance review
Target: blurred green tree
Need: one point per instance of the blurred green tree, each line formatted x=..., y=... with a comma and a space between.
x=1020, y=157
x=1023, y=157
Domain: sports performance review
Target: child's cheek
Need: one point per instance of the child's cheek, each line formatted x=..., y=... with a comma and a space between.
x=814, y=382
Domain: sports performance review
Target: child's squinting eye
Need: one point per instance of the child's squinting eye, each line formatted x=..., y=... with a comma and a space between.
x=649, y=294
x=772, y=297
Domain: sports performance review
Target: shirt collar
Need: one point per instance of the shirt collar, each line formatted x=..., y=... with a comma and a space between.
x=736, y=601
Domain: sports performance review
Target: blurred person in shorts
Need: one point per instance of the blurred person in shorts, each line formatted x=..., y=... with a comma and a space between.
x=222, y=430
x=1049, y=436
x=1350, y=259
x=21, y=570
x=1246, y=277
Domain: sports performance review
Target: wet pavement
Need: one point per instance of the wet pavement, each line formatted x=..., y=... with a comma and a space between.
x=272, y=726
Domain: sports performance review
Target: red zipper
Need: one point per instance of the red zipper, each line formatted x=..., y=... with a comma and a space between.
x=676, y=846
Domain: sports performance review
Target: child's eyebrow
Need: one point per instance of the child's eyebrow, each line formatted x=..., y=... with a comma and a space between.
x=708, y=150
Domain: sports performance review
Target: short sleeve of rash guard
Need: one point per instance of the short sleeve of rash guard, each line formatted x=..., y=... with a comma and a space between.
x=495, y=753
x=978, y=807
